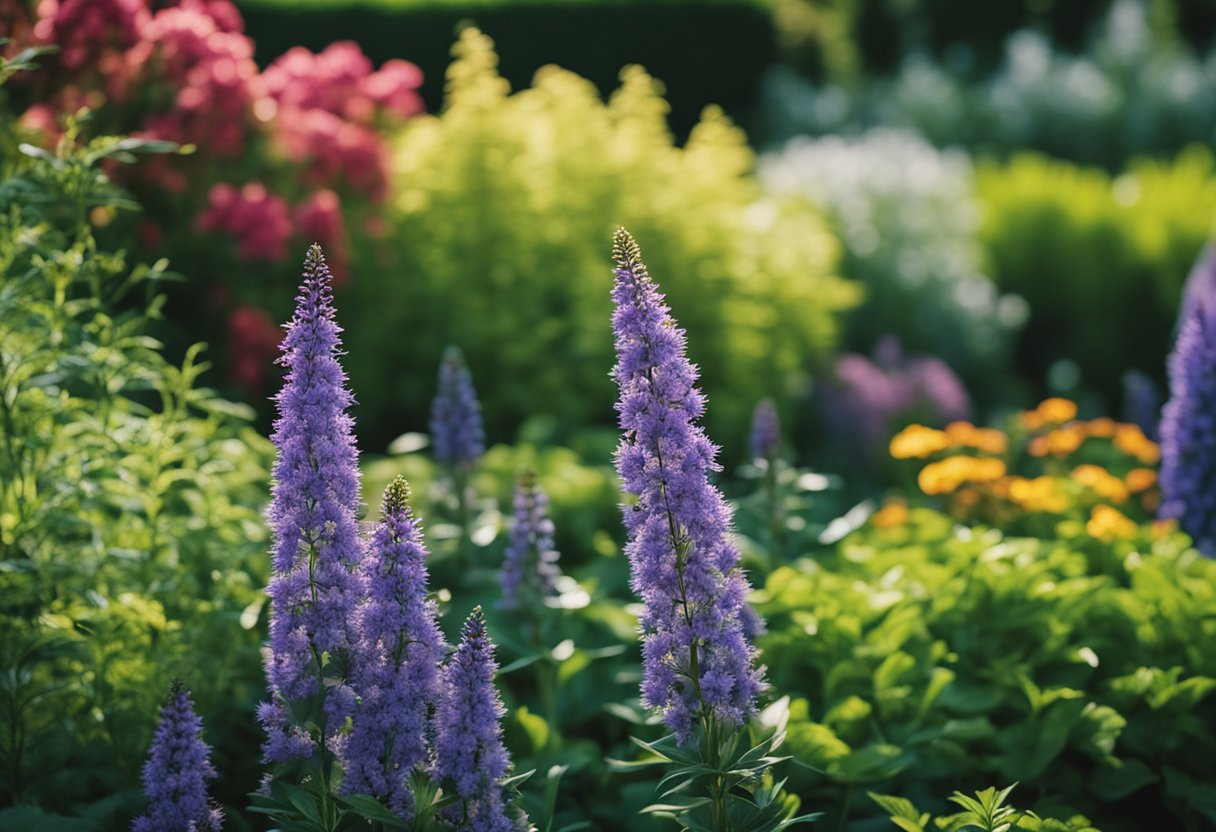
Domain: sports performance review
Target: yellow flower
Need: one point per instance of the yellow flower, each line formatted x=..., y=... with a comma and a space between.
x=1101, y=428
x=1039, y=494
x=1132, y=441
x=1049, y=412
x=982, y=439
x=1140, y=479
x=893, y=513
x=917, y=441
x=1106, y=523
x=948, y=474
x=1061, y=441
x=1103, y=483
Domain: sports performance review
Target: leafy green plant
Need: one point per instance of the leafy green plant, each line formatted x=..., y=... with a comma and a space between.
x=1100, y=260
x=924, y=656
x=130, y=535
x=501, y=203
x=985, y=812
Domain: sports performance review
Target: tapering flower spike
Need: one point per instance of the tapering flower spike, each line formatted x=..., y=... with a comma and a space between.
x=530, y=561
x=699, y=663
x=314, y=586
x=177, y=771
x=1188, y=422
x=470, y=757
x=456, y=427
x=397, y=664
x=765, y=438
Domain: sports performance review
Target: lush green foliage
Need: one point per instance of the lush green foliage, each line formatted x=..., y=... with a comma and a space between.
x=924, y=656
x=130, y=535
x=501, y=202
x=1100, y=260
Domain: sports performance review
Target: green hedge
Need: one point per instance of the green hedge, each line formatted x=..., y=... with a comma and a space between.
x=1100, y=259
x=705, y=52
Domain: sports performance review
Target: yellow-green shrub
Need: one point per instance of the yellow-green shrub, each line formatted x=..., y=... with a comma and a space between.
x=500, y=228
x=1101, y=260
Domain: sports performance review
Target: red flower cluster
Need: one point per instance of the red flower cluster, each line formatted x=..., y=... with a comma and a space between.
x=259, y=220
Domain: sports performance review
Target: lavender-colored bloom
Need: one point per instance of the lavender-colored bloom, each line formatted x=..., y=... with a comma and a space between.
x=698, y=660
x=765, y=438
x=1142, y=403
x=456, y=428
x=530, y=560
x=1188, y=422
x=469, y=755
x=314, y=587
x=396, y=673
x=864, y=402
x=177, y=771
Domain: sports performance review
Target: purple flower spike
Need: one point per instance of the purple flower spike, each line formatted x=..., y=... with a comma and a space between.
x=1188, y=422
x=397, y=668
x=456, y=428
x=765, y=439
x=1142, y=403
x=314, y=586
x=469, y=755
x=177, y=771
x=699, y=663
x=530, y=561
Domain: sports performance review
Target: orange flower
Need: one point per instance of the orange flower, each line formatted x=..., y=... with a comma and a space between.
x=1101, y=428
x=1132, y=441
x=982, y=439
x=1106, y=523
x=946, y=475
x=893, y=513
x=1049, y=412
x=1041, y=494
x=917, y=441
x=1061, y=441
x=1140, y=479
x=1103, y=483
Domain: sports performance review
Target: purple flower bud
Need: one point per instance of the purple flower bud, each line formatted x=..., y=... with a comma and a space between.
x=765, y=439
x=470, y=758
x=1188, y=422
x=530, y=561
x=177, y=771
x=397, y=663
x=698, y=660
x=314, y=586
x=456, y=428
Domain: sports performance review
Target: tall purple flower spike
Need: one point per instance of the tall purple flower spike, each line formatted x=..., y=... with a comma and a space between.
x=1188, y=422
x=530, y=560
x=469, y=755
x=314, y=586
x=177, y=771
x=396, y=671
x=699, y=663
x=765, y=438
x=456, y=427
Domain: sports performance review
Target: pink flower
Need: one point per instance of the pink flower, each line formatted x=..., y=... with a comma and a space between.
x=395, y=88
x=259, y=220
x=330, y=81
x=253, y=341
x=223, y=12
x=336, y=151
x=84, y=29
x=318, y=219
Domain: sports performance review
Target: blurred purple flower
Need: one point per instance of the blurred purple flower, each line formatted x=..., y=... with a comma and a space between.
x=456, y=428
x=530, y=561
x=177, y=771
x=765, y=438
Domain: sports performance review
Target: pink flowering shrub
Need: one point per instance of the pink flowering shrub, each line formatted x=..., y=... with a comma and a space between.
x=276, y=159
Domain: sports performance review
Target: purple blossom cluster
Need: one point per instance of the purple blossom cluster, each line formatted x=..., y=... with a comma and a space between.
x=176, y=773
x=529, y=568
x=865, y=401
x=1188, y=421
x=699, y=663
x=396, y=668
x=351, y=627
x=469, y=752
x=456, y=427
x=317, y=554
x=765, y=439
